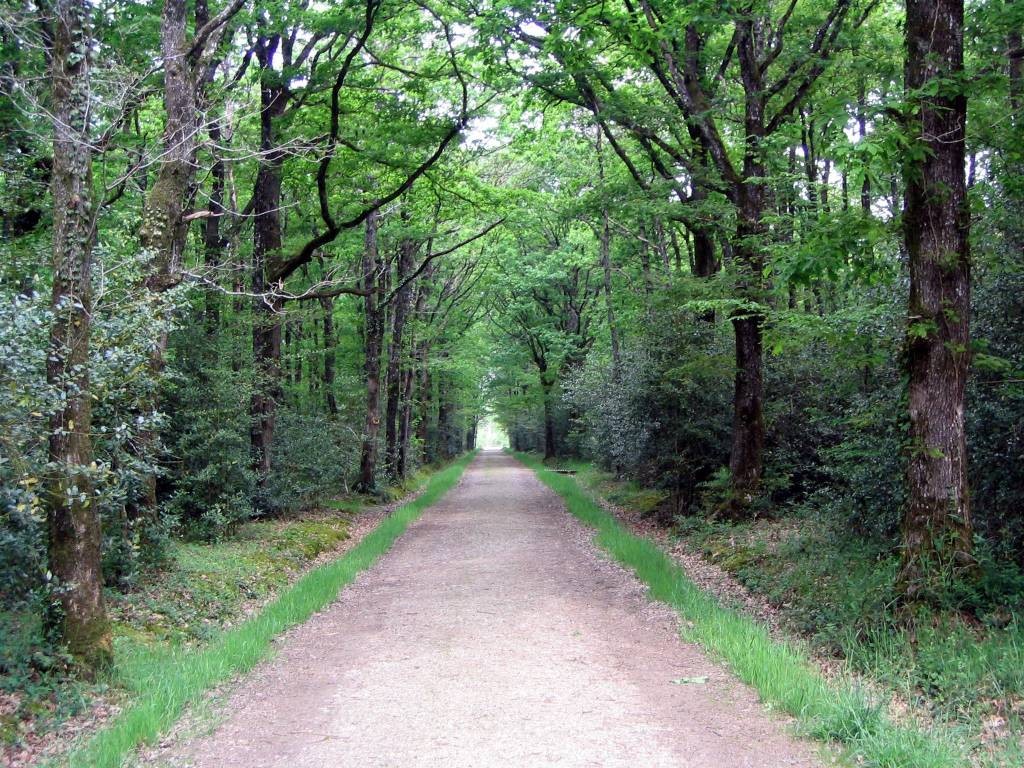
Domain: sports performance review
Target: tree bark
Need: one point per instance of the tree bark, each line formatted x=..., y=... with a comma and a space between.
x=298, y=335
x=862, y=132
x=645, y=269
x=373, y=337
x=267, y=308
x=72, y=513
x=425, y=387
x=606, y=265
x=402, y=302
x=330, y=343
x=936, y=224
x=447, y=436
x=550, y=446
x=409, y=376
x=213, y=241
x=746, y=462
x=405, y=421
x=164, y=233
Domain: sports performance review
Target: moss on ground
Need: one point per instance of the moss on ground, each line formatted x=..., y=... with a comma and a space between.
x=203, y=587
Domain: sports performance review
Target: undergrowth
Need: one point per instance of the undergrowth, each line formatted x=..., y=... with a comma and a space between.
x=958, y=666
x=782, y=673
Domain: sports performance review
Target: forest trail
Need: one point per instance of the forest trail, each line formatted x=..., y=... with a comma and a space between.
x=493, y=634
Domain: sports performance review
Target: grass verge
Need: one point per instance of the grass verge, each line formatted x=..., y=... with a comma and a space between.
x=782, y=674
x=167, y=682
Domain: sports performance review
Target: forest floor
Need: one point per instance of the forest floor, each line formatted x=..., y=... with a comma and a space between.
x=201, y=589
x=492, y=633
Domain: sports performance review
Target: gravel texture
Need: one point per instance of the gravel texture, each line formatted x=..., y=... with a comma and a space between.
x=493, y=634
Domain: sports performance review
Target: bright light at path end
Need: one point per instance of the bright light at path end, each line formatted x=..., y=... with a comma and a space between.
x=490, y=434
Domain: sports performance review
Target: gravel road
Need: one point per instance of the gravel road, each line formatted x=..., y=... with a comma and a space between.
x=493, y=634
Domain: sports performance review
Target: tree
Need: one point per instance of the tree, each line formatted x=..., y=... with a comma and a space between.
x=373, y=333
x=280, y=58
x=936, y=225
x=546, y=305
x=164, y=228
x=668, y=44
x=73, y=518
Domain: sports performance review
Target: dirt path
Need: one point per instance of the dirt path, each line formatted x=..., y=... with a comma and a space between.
x=493, y=634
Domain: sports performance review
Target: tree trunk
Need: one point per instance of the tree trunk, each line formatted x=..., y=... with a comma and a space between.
x=445, y=418
x=297, y=354
x=661, y=245
x=936, y=223
x=267, y=308
x=645, y=268
x=746, y=458
x=403, y=300
x=408, y=381
x=606, y=265
x=330, y=342
x=746, y=461
x=373, y=337
x=164, y=233
x=550, y=447
x=425, y=405
x=405, y=421
x=213, y=242
x=705, y=262
x=267, y=391
x=862, y=132
x=72, y=514
x=314, y=376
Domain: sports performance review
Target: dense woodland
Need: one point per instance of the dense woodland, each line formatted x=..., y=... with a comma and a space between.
x=764, y=258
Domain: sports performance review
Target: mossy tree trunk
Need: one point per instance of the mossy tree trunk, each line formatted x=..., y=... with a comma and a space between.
x=72, y=515
x=164, y=230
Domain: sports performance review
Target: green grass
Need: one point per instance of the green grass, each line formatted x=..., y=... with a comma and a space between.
x=838, y=593
x=781, y=673
x=166, y=682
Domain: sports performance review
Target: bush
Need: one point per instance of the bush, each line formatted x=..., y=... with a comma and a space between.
x=313, y=459
x=209, y=468
x=665, y=421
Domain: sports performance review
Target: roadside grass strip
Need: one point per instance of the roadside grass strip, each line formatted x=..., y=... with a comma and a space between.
x=167, y=682
x=781, y=673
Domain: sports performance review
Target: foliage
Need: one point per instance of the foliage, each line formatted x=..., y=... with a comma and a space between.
x=661, y=419
x=597, y=321
x=316, y=460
